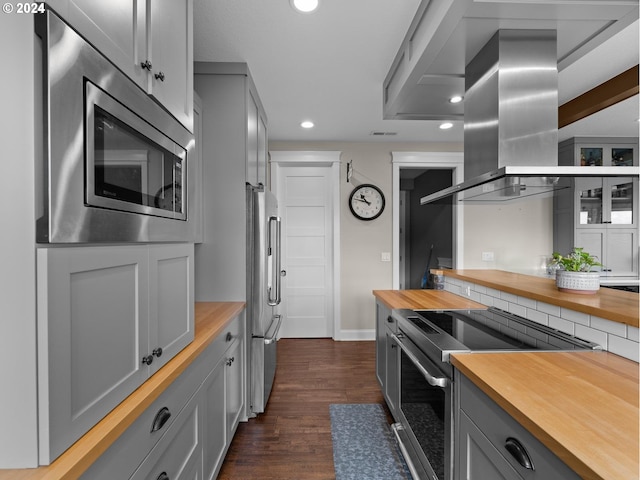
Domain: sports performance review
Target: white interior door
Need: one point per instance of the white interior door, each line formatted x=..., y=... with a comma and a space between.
x=305, y=204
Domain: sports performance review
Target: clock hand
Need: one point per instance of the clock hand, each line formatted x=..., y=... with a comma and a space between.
x=362, y=199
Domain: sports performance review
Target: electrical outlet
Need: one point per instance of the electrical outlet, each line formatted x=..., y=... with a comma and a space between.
x=385, y=257
x=487, y=256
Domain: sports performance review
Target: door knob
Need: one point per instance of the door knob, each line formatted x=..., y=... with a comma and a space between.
x=283, y=273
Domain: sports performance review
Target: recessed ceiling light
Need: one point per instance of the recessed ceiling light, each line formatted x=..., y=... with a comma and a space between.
x=304, y=6
x=446, y=125
x=455, y=99
x=306, y=124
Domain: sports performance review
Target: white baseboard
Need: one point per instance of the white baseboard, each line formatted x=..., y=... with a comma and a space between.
x=355, y=335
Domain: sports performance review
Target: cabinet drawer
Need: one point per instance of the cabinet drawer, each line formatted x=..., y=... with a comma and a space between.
x=498, y=426
x=126, y=454
x=180, y=449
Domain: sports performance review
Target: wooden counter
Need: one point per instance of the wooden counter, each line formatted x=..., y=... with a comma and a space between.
x=615, y=305
x=417, y=299
x=210, y=319
x=583, y=406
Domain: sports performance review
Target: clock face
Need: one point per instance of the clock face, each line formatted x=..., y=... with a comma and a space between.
x=366, y=202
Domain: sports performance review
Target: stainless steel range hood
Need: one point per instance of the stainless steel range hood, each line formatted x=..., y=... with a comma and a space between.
x=510, y=123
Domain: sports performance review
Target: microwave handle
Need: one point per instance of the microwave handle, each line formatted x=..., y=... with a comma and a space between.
x=431, y=379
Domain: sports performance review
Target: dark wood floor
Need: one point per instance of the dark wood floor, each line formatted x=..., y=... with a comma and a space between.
x=292, y=439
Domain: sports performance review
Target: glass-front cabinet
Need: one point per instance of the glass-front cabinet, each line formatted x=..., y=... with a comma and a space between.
x=600, y=214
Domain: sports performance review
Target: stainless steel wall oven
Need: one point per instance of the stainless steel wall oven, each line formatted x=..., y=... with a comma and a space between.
x=116, y=164
x=426, y=339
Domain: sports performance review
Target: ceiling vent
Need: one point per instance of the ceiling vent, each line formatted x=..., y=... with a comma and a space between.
x=382, y=134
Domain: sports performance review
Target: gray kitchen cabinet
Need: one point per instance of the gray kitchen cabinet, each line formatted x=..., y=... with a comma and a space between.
x=178, y=454
x=223, y=397
x=151, y=42
x=191, y=422
x=491, y=444
x=239, y=114
x=387, y=357
x=108, y=318
x=600, y=214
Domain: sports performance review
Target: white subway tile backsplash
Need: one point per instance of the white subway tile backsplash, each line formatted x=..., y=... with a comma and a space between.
x=527, y=302
x=633, y=333
x=624, y=347
x=517, y=309
x=538, y=316
x=591, y=334
x=486, y=300
x=509, y=297
x=501, y=304
x=615, y=328
x=576, y=317
x=548, y=308
x=479, y=288
x=493, y=292
x=561, y=324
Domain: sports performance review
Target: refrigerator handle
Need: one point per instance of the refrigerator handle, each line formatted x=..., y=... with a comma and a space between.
x=275, y=249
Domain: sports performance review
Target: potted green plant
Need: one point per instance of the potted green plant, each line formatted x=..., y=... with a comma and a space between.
x=574, y=273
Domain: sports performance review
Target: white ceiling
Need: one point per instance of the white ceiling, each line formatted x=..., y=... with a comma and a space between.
x=329, y=67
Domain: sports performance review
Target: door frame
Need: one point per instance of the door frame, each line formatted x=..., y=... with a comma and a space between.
x=453, y=161
x=331, y=159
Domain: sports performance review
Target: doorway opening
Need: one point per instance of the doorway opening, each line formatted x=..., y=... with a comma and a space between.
x=425, y=236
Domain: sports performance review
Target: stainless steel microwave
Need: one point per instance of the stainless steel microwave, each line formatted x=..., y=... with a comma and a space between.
x=117, y=166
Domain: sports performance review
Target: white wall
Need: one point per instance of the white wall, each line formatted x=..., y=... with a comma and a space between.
x=518, y=234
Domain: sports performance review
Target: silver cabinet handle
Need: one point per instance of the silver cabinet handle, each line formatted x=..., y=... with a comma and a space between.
x=431, y=379
x=159, y=76
x=397, y=428
x=146, y=65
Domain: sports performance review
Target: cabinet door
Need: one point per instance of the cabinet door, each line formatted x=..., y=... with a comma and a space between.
x=252, y=138
x=116, y=29
x=92, y=334
x=381, y=344
x=622, y=251
x=263, y=152
x=478, y=459
x=170, y=52
x=171, y=301
x=392, y=384
x=214, y=429
x=234, y=386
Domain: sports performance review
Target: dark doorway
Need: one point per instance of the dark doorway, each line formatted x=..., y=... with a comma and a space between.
x=422, y=226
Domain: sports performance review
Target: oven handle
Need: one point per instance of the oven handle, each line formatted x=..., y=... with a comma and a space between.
x=431, y=379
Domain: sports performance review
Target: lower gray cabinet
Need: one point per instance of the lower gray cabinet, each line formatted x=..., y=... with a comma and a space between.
x=189, y=427
x=178, y=454
x=387, y=357
x=490, y=444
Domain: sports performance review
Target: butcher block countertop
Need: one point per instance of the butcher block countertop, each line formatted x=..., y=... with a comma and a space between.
x=583, y=406
x=210, y=320
x=417, y=299
x=615, y=305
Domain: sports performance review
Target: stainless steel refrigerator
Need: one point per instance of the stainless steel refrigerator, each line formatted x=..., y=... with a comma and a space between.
x=264, y=293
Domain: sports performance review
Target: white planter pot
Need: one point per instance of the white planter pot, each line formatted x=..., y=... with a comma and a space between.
x=578, y=282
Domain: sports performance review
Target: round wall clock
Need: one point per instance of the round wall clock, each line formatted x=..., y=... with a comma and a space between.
x=366, y=202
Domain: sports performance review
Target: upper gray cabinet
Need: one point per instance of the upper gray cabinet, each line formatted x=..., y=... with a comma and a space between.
x=237, y=119
x=600, y=214
x=151, y=42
